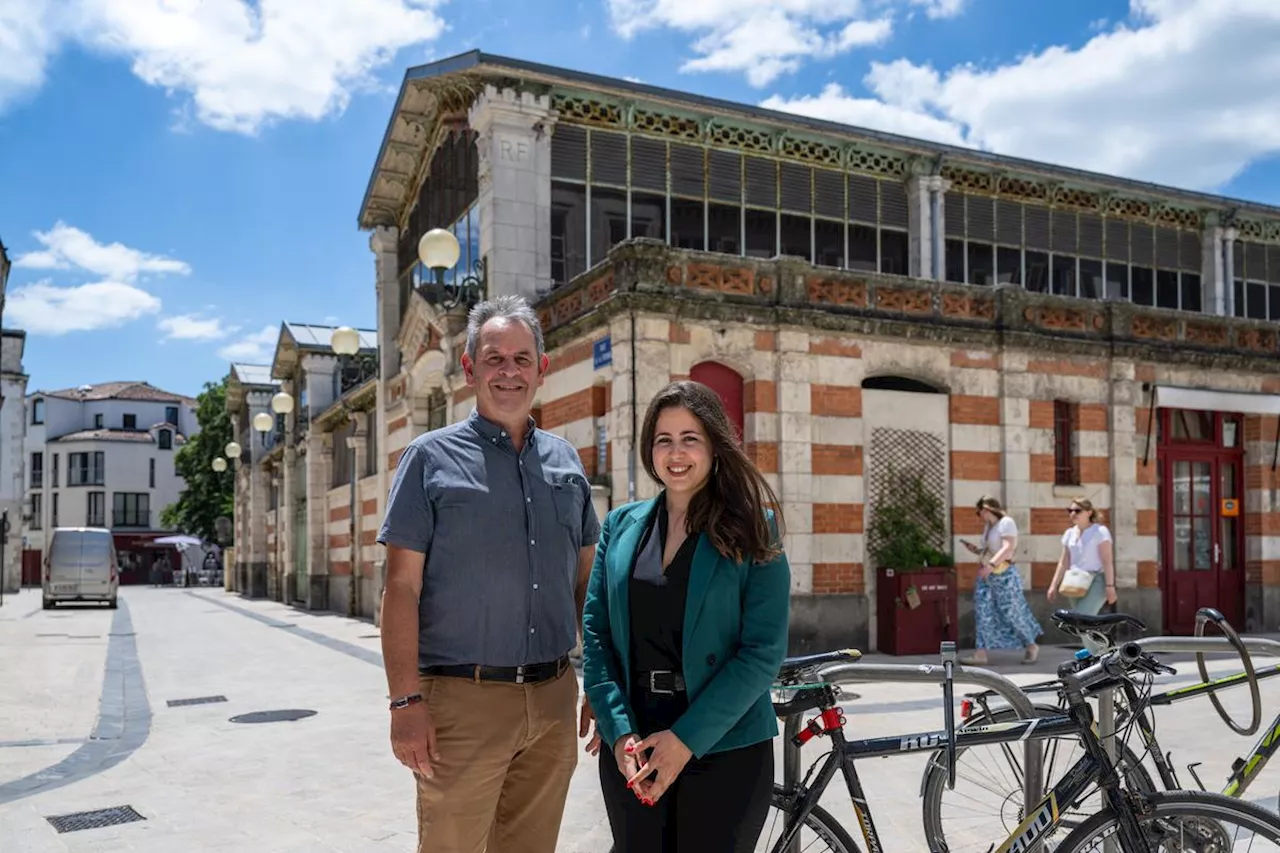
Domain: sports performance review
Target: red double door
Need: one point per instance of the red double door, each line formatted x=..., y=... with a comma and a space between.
x=1201, y=520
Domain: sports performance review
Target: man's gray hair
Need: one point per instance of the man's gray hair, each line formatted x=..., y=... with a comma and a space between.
x=509, y=307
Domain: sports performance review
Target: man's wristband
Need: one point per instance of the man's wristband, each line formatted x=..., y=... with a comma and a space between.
x=405, y=701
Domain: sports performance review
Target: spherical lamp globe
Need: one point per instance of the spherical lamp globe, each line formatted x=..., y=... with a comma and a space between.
x=219, y=464
x=263, y=422
x=439, y=249
x=282, y=403
x=233, y=450
x=345, y=341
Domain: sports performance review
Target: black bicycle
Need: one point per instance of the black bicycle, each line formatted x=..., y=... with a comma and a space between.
x=1135, y=820
x=989, y=795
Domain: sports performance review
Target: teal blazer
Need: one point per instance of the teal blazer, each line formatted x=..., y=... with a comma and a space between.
x=735, y=639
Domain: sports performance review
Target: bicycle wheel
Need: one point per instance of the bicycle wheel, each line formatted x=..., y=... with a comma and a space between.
x=1184, y=820
x=819, y=828
x=988, y=802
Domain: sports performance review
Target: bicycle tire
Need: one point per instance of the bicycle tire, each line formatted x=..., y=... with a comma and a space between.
x=1171, y=804
x=934, y=782
x=1203, y=616
x=819, y=820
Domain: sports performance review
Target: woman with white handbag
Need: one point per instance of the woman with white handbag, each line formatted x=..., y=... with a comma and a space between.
x=1086, y=573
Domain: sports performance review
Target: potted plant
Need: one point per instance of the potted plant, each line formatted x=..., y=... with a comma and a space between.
x=915, y=577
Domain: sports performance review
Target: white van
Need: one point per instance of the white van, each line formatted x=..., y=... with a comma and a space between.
x=80, y=566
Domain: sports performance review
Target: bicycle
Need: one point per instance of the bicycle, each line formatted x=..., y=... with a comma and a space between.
x=1132, y=710
x=1132, y=818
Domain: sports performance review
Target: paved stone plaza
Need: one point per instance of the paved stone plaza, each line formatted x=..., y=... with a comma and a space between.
x=85, y=724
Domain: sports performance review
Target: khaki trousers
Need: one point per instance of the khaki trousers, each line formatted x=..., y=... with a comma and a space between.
x=507, y=753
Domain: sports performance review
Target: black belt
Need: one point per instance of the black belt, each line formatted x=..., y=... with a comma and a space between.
x=527, y=674
x=661, y=682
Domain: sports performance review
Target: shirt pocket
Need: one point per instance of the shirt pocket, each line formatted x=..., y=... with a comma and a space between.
x=567, y=497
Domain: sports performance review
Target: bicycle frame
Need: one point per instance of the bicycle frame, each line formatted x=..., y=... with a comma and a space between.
x=1243, y=771
x=1045, y=817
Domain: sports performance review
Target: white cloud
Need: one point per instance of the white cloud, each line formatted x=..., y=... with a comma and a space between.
x=42, y=308
x=66, y=247
x=189, y=327
x=1186, y=92
x=255, y=348
x=242, y=64
x=764, y=38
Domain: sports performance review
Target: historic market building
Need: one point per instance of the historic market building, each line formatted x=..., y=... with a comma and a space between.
x=875, y=311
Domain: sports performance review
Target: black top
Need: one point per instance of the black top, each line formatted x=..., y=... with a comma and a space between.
x=657, y=600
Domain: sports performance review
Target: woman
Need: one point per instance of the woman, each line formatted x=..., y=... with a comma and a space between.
x=1004, y=619
x=1086, y=552
x=684, y=629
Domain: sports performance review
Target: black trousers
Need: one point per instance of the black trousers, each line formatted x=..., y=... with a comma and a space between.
x=718, y=803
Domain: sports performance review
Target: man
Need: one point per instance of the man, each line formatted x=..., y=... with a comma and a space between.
x=490, y=535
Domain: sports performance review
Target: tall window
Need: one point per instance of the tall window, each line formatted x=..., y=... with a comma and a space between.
x=151, y=479
x=1257, y=281
x=98, y=420
x=53, y=470
x=37, y=470
x=608, y=186
x=37, y=511
x=1065, y=470
x=343, y=456
x=86, y=469
x=130, y=509
x=130, y=421
x=37, y=410
x=96, y=510
x=53, y=510
x=171, y=415
x=165, y=439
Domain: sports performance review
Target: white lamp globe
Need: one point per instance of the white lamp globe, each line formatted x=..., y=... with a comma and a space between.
x=219, y=464
x=263, y=422
x=282, y=403
x=439, y=249
x=233, y=450
x=345, y=341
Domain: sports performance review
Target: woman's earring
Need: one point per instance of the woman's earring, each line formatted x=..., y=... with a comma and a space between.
x=715, y=466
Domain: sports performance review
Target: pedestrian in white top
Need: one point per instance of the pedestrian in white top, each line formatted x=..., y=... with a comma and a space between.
x=1002, y=617
x=1086, y=573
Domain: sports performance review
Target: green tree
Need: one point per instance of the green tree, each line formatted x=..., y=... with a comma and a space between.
x=207, y=494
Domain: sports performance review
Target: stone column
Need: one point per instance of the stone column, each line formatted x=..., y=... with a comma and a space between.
x=1229, y=236
x=319, y=467
x=925, y=225
x=514, y=142
x=362, y=587
x=383, y=243
x=284, y=520
x=275, y=545
x=1213, y=293
x=259, y=498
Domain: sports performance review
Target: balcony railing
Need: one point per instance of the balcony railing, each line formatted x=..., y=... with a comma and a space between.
x=131, y=519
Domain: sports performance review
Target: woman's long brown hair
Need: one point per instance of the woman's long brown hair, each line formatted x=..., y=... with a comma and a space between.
x=730, y=507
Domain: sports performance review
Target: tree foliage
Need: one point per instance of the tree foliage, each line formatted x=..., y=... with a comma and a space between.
x=207, y=494
x=908, y=528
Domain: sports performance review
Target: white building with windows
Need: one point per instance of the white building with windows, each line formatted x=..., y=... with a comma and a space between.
x=103, y=456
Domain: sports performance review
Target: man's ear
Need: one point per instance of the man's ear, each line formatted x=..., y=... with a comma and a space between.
x=544, y=364
x=468, y=369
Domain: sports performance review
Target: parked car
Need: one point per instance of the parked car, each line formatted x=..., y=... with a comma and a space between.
x=80, y=566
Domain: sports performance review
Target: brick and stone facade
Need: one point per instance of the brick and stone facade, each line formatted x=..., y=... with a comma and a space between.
x=1050, y=334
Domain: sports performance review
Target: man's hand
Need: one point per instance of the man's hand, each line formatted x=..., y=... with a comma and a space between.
x=413, y=738
x=667, y=759
x=585, y=719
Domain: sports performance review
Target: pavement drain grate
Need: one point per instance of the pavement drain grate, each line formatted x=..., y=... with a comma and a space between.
x=199, y=700
x=95, y=819
x=286, y=716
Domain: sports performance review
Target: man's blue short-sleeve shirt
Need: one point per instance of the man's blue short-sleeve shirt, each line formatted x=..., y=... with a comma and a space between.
x=501, y=532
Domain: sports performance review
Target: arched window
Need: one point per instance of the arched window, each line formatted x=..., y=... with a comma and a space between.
x=726, y=382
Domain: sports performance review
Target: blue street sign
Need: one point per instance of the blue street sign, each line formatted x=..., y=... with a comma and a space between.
x=602, y=352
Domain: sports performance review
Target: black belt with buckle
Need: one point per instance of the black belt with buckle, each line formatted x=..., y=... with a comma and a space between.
x=661, y=682
x=526, y=674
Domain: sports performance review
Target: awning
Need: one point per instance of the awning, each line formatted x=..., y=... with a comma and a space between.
x=1207, y=400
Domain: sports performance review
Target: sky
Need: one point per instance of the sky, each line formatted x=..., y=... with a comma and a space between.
x=177, y=177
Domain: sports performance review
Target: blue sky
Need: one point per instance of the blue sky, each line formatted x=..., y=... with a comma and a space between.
x=178, y=176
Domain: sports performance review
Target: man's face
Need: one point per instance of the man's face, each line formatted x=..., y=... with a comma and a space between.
x=506, y=372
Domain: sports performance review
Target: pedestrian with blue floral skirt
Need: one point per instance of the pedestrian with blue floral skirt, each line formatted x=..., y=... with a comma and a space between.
x=1004, y=619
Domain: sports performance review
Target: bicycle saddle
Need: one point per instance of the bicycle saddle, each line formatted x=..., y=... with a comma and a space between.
x=1072, y=619
x=791, y=666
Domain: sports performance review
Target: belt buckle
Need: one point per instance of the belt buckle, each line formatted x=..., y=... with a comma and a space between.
x=653, y=688
x=520, y=674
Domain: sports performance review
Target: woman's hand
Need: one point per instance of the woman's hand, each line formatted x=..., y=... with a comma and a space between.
x=984, y=570
x=973, y=549
x=1052, y=592
x=624, y=752
x=667, y=757
x=1111, y=593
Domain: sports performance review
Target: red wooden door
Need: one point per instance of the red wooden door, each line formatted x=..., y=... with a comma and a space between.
x=1202, y=542
x=726, y=382
x=31, y=567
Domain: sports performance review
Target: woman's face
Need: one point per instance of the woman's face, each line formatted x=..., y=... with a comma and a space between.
x=681, y=451
x=1078, y=514
x=986, y=516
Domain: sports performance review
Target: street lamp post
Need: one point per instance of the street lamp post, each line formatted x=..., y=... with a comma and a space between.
x=439, y=251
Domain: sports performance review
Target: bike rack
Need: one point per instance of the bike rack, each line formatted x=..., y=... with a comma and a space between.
x=857, y=672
